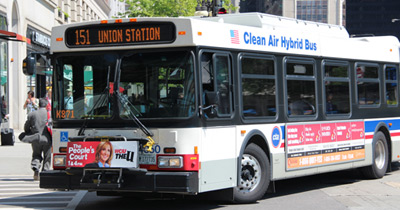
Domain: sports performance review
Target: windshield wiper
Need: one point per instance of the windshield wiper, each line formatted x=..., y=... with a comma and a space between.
x=125, y=103
x=104, y=99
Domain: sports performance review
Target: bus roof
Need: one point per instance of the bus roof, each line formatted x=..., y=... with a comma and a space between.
x=254, y=32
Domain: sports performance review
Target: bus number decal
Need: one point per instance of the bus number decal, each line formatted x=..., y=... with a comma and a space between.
x=62, y=114
x=311, y=144
x=156, y=149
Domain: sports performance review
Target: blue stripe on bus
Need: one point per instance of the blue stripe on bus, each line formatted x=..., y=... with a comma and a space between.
x=371, y=125
x=283, y=132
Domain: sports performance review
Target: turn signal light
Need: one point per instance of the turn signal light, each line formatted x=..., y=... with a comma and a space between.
x=170, y=150
x=63, y=149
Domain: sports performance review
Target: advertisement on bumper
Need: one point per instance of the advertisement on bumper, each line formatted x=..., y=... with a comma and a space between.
x=104, y=154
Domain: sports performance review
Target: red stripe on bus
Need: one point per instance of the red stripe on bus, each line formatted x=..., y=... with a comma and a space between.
x=391, y=134
x=395, y=134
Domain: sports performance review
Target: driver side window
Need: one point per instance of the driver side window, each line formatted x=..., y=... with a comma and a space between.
x=216, y=83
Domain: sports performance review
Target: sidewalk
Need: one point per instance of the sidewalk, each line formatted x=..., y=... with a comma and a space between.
x=16, y=160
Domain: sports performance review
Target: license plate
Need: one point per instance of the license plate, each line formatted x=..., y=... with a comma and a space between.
x=147, y=159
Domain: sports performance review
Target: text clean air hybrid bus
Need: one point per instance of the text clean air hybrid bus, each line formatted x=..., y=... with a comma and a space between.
x=228, y=104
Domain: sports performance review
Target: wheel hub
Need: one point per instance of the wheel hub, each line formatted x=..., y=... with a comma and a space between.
x=380, y=155
x=250, y=173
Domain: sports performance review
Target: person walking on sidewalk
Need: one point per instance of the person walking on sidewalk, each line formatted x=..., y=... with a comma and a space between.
x=31, y=102
x=36, y=127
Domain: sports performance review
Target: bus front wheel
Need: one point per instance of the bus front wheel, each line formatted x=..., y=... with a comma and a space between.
x=380, y=157
x=254, y=175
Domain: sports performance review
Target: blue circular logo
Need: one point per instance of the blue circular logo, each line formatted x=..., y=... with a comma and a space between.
x=276, y=136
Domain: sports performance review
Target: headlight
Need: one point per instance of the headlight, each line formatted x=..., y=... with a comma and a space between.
x=59, y=160
x=170, y=162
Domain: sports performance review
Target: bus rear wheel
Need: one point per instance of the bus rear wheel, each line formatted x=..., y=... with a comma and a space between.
x=254, y=175
x=380, y=157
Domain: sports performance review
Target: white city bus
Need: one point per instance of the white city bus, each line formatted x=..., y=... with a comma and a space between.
x=225, y=104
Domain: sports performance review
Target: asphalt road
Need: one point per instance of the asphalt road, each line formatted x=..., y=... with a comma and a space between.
x=338, y=190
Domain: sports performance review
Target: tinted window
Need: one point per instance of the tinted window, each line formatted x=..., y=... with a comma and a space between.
x=337, y=91
x=367, y=84
x=391, y=85
x=301, y=93
x=258, y=87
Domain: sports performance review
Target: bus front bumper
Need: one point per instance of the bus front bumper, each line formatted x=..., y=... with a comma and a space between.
x=124, y=180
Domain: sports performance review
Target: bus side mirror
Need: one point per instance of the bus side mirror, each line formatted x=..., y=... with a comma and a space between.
x=29, y=65
x=211, y=104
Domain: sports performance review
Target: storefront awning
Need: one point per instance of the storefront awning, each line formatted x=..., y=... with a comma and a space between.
x=13, y=37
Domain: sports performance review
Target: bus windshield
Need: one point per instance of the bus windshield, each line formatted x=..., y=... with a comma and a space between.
x=156, y=85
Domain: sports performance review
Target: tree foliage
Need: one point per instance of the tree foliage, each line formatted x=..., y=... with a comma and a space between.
x=165, y=8
x=161, y=8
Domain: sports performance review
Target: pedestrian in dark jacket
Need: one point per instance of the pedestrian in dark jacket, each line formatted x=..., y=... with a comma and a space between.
x=37, y=133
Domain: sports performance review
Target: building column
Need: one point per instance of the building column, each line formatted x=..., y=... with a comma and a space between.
x=289, y=8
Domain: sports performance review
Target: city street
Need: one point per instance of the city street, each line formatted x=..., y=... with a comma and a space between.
x=155, y=100
x=338, y=190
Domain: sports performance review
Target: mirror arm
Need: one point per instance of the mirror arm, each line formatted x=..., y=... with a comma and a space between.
x=212, y=107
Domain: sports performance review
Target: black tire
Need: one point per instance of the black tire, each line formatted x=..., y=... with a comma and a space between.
x=380, y=158
x=254, y=175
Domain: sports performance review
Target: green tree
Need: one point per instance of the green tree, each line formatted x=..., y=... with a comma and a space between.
x=165, y=8
x=161, y=8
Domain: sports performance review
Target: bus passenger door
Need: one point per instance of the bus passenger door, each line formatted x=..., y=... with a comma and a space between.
x=217, y=150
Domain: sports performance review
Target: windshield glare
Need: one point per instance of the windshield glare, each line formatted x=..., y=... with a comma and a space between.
x=156, y=85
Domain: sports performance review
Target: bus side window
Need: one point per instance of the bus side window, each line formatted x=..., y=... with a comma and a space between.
x=301, y=92
x=391, y=84
x=207, y=75
x=368, y=84
x=207, y=78
x=258, y=86
x=337, y=88
x=216, y=82
x=223, y=84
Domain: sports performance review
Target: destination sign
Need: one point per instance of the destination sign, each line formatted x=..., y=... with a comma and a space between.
x=120, y=34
